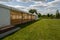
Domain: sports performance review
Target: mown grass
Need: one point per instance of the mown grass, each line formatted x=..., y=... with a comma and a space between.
x=45, y=29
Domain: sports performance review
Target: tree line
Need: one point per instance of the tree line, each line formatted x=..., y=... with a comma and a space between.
x=48, y=15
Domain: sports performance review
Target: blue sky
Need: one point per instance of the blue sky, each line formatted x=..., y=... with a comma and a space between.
x=42, y=6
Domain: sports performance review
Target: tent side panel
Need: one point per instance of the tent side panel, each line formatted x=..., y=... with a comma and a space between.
x=4, y=17
x=16, y=17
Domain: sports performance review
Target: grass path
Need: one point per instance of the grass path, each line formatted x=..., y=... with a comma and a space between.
x=45, y=29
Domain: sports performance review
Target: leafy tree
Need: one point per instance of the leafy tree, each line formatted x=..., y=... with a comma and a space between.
x=57, y=14
x=39, y=15
x=48, y=15
x=51, y=15
x=33, y=11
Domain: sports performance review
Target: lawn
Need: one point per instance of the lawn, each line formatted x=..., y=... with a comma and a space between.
x=44, y=29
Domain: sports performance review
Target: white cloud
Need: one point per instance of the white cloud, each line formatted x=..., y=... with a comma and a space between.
x=20, y=7
x=2, y=2
x=40, y=4
x=40, y=0
x=53, y=6
x=5, y=0
x=49, y=7
x=23, y=0
x=17, y=6
x=54, y=3
x=30, y=0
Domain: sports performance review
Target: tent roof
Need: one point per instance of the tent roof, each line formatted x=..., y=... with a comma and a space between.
x=12, y=8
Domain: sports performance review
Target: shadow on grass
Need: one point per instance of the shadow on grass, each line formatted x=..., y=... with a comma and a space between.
x=21, y=27
x=25, y=24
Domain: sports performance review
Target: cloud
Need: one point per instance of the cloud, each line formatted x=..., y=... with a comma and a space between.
x=30, y=0
x=5, y=0
x=17, y=6
x=40, y=5
x=49, y=7
x=54, y=3
x=20, y=7
x=40, y=0
x=53, y=6
x=23, y=0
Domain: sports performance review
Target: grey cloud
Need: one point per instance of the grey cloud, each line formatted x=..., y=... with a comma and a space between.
x=5, y=0
x=30, y=0
x=39, y=0
x=26, y=0
x=54, y=3
x=23, y=0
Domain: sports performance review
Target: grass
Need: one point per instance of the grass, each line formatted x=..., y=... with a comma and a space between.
x=45, y=29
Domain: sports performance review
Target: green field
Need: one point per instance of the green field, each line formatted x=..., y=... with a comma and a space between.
x=44, y=29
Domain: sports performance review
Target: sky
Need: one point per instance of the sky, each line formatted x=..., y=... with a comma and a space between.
x=42, y=6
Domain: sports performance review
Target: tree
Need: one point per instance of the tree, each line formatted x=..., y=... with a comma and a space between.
x=39, y=15
x=57, y=14
x=51, y=15
x=48, y=15
x=33, y=11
